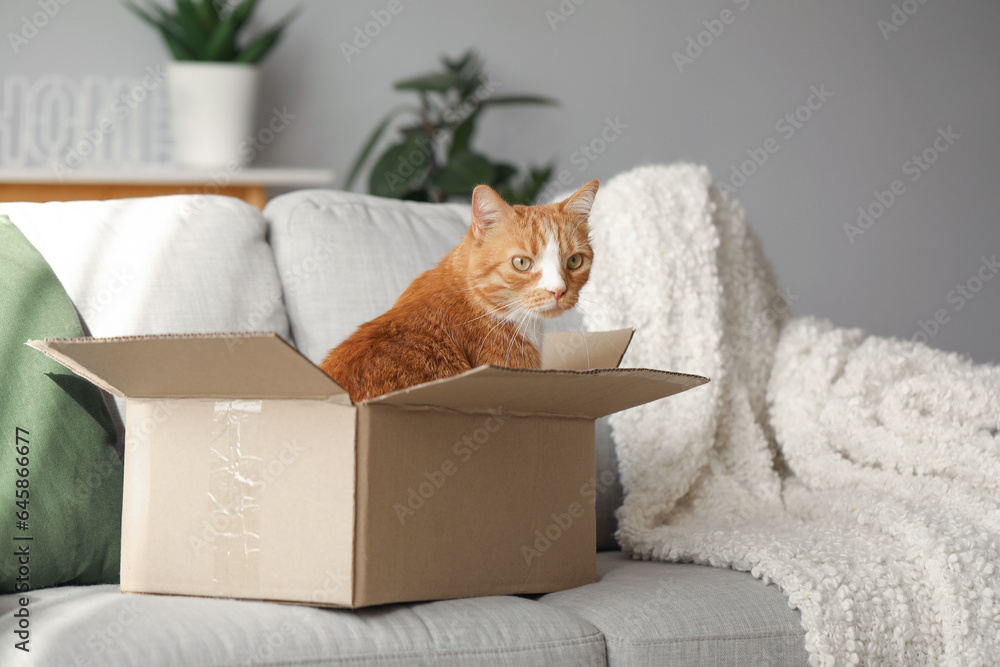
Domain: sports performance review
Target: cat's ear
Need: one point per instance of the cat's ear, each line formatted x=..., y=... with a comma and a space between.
x=488, y=208
x=579, y=202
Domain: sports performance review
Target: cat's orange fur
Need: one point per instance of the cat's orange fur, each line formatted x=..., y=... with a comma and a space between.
x=474, y=307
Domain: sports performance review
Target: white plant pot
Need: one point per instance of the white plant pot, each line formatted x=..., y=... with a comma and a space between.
x=213, y=106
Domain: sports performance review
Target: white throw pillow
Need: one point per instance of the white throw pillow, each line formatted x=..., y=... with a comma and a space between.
x=177, y=264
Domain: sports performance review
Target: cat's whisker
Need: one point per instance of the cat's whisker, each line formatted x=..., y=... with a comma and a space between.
x=487, y=314
x=592, y=303
x=516, y=307
x=584, y=312
x=489, y=333
x=520, y=312
x=518, y=334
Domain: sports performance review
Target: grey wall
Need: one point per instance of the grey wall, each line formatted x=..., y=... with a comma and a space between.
x=890, y=94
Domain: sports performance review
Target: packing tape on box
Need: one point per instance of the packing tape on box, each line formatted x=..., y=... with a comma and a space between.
x=234, y=487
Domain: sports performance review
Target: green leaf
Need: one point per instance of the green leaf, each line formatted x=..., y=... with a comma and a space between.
x=210, y=8
x=462, y=136
x=463, y=173
x=178, y=48
x=169, y=21
x=370, y=144
x=436, y=83
x=418, y=195
x=172, y=33
x=222, y=45
x=208, y=15
x=401, y=169
x=528, y=193
x=457, y=66
x=504, y=172
x=196, y=33
x=519, y=99
x=242, y=12
x=260, y=46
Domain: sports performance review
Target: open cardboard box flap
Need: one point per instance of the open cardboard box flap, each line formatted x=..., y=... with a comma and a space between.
x=567, y=393
x=579, y=375
x=252, y=365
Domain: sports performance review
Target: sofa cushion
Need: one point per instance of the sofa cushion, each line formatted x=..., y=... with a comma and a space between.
x=177, y=264
x=654, y=613
x=61, y=477
x=97, y=625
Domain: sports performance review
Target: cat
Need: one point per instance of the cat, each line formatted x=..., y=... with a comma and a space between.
x=482, y=303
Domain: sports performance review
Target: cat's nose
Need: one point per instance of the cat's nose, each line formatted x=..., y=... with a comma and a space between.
x=557, y=293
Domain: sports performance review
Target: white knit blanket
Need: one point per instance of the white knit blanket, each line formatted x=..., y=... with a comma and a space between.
x=859, y=474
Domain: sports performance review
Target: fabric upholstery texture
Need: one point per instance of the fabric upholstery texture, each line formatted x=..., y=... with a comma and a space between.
x=60, y=477
x=98, y=626
x=653, y=613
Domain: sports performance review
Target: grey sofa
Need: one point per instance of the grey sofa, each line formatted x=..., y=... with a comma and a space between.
x=311, y=267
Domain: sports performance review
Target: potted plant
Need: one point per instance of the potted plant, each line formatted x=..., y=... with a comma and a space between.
x=214, y=81
x=433, y=158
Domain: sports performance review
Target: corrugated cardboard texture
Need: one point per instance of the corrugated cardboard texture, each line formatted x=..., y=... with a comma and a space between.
x=218, y=365
x=454, y=505
x=584, y=351
x=250, y=499
x=590, y=394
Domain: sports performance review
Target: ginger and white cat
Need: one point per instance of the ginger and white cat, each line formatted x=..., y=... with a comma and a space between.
x=481, y=304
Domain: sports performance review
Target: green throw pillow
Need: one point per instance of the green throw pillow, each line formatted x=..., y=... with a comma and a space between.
x=60, y=478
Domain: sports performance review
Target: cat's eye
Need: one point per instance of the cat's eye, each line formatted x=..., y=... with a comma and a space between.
x=574, y=262
x=521, y=263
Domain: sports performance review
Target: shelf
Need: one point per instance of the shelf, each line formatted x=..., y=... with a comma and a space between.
x=250, y=184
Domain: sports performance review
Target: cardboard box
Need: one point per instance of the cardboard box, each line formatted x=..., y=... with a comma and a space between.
x=250, y=474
